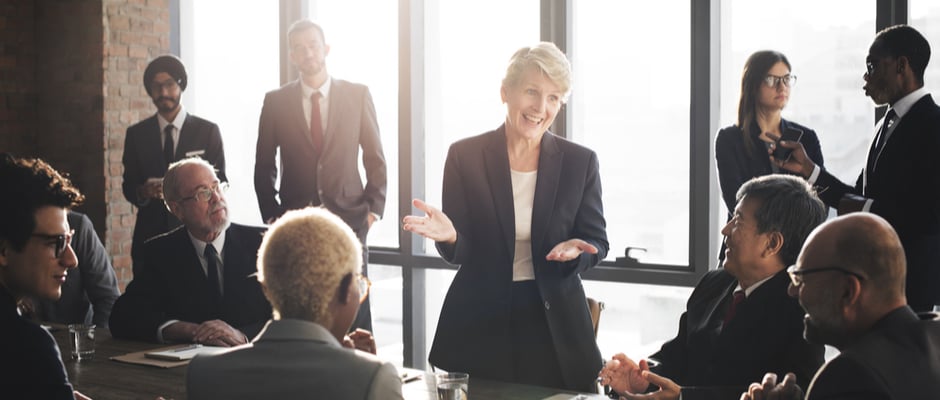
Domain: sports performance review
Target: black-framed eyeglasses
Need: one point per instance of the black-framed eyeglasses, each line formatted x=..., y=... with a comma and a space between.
x=796, y=277
x=364, y=285
x=61, y=241
x=772, y=81
x=169, y=84
x=203, y=195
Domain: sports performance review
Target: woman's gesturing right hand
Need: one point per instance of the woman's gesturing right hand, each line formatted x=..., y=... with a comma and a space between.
x=435, y=225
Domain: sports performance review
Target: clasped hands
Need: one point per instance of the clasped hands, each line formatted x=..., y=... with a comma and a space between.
x=630, y=380
x=437, y=226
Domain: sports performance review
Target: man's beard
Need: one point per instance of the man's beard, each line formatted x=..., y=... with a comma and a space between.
x=161, y=104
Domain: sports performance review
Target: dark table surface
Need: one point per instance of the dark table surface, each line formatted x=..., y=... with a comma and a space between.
x=103, y=378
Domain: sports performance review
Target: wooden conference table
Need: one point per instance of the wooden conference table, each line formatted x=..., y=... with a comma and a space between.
x=103, y=379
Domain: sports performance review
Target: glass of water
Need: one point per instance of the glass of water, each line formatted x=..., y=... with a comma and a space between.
x=453, y=385
x=82, y=338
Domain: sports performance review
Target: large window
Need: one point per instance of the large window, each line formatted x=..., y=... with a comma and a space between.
x=630, y=103
x=827, y=49
x=230, y=68
x=925, y=17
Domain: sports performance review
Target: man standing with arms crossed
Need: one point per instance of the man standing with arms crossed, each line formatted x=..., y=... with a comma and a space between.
x=319, y=124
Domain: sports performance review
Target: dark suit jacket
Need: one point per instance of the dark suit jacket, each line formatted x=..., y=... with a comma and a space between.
x=473, y=330
x=292, y=359
x=905, y=188
x=89, y=292
x=29, y=357
x=143, y=159
x=766, y=335
x=735, y=166
x=351, y=125
x=171, y=284
x=899, y=359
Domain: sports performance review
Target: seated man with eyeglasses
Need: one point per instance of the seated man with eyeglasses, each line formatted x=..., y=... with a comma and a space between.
x=850, y=279
x=35, y=258
x=195, y=283
x=739, y=321
x=310, y=268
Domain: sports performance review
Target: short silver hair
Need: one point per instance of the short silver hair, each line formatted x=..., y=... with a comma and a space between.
x=302, y=261
x=171, y=180
x=545, y=56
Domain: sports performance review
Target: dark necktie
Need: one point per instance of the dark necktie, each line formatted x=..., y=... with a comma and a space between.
x=733, y=308
x=168, y=144
x=316, y=125
x=212, y=273
x=882, y=136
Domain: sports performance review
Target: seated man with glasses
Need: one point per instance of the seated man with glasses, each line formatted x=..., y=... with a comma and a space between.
x=310, y=268
x=194, y=283
x=35, y=258
x=739, y=321
x=850, y=279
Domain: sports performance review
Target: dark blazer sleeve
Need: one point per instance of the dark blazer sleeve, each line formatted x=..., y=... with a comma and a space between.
x=137, y=313
x=265, y=161
x=589, y=224
x=454, y=204
x=34, y=370
x=845, y=379
x=134, y=174
x=373, y=158
x=730, y=158
x=94, y=265
x=215, y=151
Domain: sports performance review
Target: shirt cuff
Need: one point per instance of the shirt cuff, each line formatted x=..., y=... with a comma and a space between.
x=164, y=325
x=867, y=206
x=815, y=175
x=377, y=216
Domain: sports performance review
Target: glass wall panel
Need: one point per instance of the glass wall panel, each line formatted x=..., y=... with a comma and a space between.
x=630, y=103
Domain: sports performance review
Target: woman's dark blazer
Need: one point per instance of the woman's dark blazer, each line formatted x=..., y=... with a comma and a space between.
x=735, y=166
x=473, y=332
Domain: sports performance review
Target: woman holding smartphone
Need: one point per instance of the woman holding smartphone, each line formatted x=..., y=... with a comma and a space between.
x=741, y=150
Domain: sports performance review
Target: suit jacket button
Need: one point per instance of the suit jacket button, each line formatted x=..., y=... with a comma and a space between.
x=547, y=306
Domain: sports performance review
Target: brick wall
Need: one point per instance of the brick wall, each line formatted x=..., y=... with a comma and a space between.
x=17, y=76
x=135, y=31
x=70, y=85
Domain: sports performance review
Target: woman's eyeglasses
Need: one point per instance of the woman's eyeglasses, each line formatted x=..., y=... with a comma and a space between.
x=772, y=81
x=61, y=241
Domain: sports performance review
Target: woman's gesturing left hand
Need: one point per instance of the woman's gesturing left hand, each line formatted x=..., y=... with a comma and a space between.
x=569, y=250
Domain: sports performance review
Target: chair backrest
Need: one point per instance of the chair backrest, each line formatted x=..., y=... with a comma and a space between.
x=595, y=307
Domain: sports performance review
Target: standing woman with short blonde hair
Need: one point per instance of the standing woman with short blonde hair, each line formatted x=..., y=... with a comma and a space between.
x=522, y=216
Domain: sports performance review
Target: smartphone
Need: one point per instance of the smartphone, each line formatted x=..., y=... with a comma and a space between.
x=789, y=134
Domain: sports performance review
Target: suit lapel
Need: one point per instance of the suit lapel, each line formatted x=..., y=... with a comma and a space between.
x=336, y=100
x=546, y=188
x=186, y=141
x=496, y=163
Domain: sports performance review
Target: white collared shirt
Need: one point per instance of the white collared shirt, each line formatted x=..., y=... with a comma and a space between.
x=177, y=126
x=324, y=102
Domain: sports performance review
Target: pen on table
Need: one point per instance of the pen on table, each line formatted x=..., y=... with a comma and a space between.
x=184, y=348
x=410, y=378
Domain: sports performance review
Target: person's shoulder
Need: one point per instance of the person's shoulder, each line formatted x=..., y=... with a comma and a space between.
x=807, y=131
x=247, y=229
x=284, y=90
x=198, y=121
x=159, y=243
x=142, y=125
x=343, y=84
x=477, y=142
x=569, y=147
